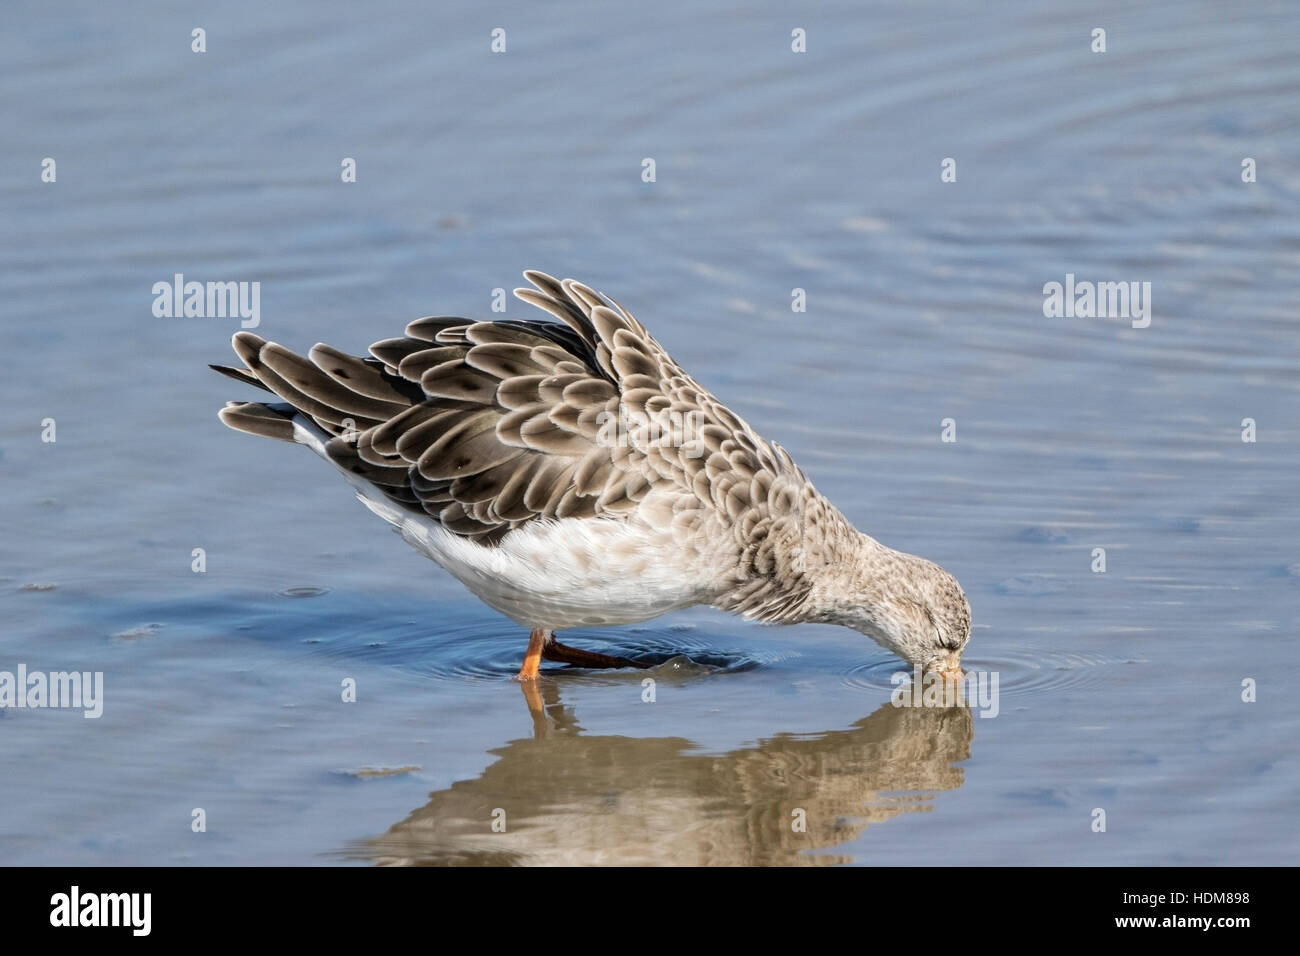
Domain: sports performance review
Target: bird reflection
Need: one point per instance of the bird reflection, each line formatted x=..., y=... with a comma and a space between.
x=568, y=798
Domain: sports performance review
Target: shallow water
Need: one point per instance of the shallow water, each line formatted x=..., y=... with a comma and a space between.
x=1118, y=690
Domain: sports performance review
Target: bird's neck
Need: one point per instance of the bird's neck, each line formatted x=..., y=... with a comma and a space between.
x=841, y=566
x=815, y=569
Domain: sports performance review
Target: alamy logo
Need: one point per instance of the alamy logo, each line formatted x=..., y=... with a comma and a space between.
x=102, y=909
x=66, y=689
x=1098, y=300
x=208, y=300
x=977, y=690
x=669, y=428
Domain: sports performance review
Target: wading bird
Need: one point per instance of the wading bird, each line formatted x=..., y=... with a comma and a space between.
x=571, y=474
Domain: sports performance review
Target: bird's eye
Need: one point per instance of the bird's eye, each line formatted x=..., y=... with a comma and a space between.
x=938, y=634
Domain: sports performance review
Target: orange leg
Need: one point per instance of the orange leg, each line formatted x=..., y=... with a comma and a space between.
x=536, y=707
x=533, y=659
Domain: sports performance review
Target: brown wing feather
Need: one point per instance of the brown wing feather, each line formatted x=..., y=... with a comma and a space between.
x=489, y=425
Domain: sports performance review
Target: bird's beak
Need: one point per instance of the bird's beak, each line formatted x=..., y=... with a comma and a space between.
x=949, y=666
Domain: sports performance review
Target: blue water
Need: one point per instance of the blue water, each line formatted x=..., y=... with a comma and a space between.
x=1120, y=691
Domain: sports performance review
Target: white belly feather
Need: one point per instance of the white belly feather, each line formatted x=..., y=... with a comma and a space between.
x=556, y=574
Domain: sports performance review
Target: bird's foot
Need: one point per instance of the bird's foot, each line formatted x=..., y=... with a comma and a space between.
x=563, y=654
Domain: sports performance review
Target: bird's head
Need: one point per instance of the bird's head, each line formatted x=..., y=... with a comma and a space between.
x=909, y=606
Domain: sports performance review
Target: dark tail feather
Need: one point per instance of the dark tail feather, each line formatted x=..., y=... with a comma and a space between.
x=239, y=375
x=339, y=397
x=259, y=418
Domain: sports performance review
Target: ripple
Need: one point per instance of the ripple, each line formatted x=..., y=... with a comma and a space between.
x=489, y=651
x=667, y=654
x=136, y=633
x=1020, y=675
x=306, y=591
x=373, y=773
x=1031, y=585
x=1041, y=534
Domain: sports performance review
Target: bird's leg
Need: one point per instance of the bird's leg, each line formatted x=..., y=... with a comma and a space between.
x=533, y=658
x=553, y=650
x=536, y=708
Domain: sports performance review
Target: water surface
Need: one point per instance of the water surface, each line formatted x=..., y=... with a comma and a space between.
x=1119, y=690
